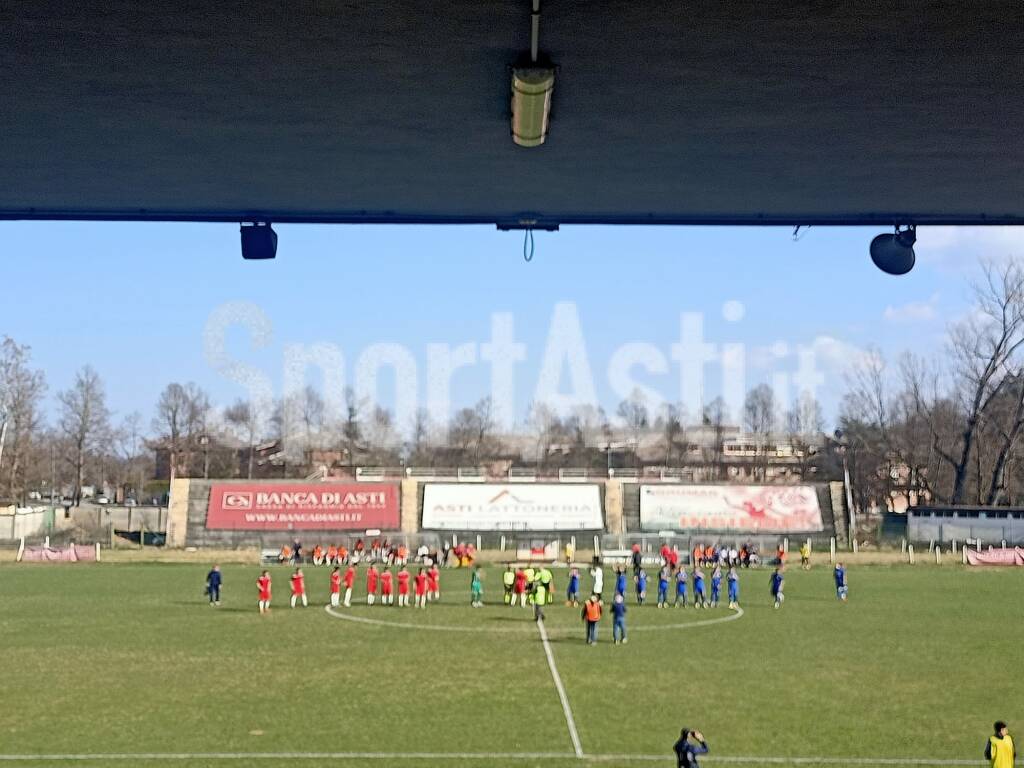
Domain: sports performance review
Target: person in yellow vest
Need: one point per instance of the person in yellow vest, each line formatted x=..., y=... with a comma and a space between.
x=508, y=579
x=540, y=595
x=545, y=579
x=1000, y=747
x=570, y=552
x=805, y=556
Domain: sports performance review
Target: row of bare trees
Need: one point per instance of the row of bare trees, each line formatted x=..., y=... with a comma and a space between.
x=86, y=445
x=947, y=429
x=80, y=444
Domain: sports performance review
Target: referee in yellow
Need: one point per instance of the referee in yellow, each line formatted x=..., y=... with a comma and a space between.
x=1000, y=747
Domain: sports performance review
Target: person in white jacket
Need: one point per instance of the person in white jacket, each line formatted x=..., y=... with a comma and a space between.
x=597, y=574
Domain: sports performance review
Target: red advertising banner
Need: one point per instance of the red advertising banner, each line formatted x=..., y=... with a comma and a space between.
x=1000, y=556
x=768, y=508
x=303, y=506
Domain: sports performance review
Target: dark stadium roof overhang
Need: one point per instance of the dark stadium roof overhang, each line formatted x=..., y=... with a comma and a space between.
x=664, y=111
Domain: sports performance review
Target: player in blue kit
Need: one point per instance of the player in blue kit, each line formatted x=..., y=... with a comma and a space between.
x=777, y=579
x=572, y=592
x=641, y=586
x=620, y=582
x=716, y=586
x=840, y=577
x=681, y=587
x=734, y=587
x=663, y=577
x=698, y=589
x=619, y=620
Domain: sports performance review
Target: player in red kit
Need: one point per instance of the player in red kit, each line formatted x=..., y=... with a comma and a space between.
x=335, y=587
x=519, y=588
x=434, y=583
x=372, y=577
x=403, y=588
x=350, y=579
x=387, y=591
x=263, y=586
x=421, y=589
x=299, y=588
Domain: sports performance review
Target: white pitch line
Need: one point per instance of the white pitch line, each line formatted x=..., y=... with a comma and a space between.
x=569, y=721
x=799, y=760
x=178, y=756
x=428, y=627
x=737, y=613
x=711, y=758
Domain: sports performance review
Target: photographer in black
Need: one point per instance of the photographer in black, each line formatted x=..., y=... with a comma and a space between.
x=687, y=751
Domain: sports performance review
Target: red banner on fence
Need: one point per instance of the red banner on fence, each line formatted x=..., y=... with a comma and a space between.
x=1001, y=556
x=298, y=506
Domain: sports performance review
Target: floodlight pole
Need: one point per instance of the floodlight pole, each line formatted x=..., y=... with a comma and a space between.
x=849, y=499
x=535, y=31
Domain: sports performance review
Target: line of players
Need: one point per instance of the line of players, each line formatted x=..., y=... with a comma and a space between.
x=521, y=585
x=534, y=586
x=678, y=576
x=524, y=584
x=425, y=586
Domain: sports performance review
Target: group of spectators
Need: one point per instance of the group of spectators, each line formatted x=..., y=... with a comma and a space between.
x=380, y=551
x=376, y=551
x=711, y=555
x=459, y=556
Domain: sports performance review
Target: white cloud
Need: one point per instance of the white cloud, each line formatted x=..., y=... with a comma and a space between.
x=836, y=354
x=830, y=354
x=914, y=311
x=960, y=247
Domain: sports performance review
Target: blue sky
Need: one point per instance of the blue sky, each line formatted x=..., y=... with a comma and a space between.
x=133, y=299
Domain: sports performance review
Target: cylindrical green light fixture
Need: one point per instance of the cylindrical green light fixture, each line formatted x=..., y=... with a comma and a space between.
x=531, y=104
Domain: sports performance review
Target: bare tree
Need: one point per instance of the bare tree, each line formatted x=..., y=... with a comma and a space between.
x=21, y=391
x=381, y=437
x=244, y=417
x=714, y=416
x=546, y=428
x=129, y=443
x=671, y=422
x=803, y=424
x=472, y=432
x=181, y=414
x=420, y=447
x=351, y=429
x=634, y=414
x=759, y=416
x=1006, y=422
x=311, y=412
x=984, y=349
x=589, y=424
x=85, y=421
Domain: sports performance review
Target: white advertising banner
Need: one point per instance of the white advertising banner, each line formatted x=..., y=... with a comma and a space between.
x=514, y=507
x=752, y=508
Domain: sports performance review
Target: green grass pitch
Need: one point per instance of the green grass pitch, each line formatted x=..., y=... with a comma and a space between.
x=129, y=659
